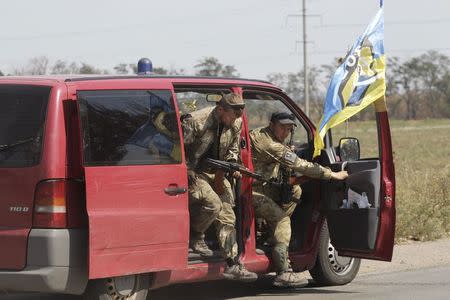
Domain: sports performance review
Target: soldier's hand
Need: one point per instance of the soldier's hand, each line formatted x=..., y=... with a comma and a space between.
x=339, y=175
x=236, y=174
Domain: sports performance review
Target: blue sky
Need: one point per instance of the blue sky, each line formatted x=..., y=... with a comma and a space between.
x=256, y=36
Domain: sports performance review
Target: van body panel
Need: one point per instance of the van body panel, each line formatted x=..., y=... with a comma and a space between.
x=56, y=263
x=16, y=206
x=14, y=242
x=54, y=159
x=62, y=280
x=134, y=227
x=17, y=184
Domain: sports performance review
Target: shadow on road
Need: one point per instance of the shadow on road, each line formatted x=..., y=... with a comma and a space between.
x=211, y=290
x=218, y=290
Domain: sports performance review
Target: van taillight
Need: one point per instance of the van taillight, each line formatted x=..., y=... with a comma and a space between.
x=58, y=204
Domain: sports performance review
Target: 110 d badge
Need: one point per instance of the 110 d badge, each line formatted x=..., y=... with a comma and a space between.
x=18, y=209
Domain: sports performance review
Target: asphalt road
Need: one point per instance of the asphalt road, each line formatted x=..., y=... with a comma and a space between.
x=414, y=284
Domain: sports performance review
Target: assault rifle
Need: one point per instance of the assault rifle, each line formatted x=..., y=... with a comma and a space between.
x=232, y=167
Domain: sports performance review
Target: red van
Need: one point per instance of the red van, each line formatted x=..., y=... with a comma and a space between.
x=87, y=208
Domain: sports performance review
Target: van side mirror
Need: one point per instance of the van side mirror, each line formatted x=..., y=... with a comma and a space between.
x=349, y=149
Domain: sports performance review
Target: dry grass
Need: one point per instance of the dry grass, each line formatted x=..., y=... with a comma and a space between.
x=422, y=167
x=422, y=160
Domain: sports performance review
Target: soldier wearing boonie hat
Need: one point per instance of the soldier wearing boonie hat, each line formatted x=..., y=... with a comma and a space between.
x=214, y=132
x=269, y=153
x=233, y=101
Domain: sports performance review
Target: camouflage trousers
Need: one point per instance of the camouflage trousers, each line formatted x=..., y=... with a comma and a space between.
x=206, y=207
x=277, y=216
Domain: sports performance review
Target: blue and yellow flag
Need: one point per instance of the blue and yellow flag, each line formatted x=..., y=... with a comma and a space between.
x=358, y=82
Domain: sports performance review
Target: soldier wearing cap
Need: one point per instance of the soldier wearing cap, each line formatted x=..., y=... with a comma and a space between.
x=269, y=153
x=214, y=132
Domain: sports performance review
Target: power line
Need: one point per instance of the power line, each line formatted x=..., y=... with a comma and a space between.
x=408, y=50
x=404, y=22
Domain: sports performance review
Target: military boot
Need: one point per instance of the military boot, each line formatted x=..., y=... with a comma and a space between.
x=240, y=273
x=290, y=279
x=285, y=276
x=199, y=246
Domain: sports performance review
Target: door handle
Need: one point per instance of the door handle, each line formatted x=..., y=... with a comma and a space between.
x=174, y=190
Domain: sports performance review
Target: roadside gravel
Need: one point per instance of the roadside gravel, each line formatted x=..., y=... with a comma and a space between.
x=411, y=255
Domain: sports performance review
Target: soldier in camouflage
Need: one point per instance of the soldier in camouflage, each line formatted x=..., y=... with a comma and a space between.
x=269, y=153
x=214, y=132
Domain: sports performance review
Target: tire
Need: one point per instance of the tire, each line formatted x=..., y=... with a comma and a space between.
x=330, y=268
x=132, y=287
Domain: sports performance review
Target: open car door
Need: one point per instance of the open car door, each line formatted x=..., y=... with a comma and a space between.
x=136, y=181
x=365, y=231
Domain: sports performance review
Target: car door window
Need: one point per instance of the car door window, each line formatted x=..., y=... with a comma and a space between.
x=129, y=127
x=22, y=119
x=191, y=99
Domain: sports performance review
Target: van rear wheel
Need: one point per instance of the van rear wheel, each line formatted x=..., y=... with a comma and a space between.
x=330, y=268
x=132, y=287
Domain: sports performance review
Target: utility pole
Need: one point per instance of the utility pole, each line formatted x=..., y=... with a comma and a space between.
x=305, y=52
x=305, y=62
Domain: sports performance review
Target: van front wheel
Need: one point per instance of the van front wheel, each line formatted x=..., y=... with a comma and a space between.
x=132, y=287
x=330, y=268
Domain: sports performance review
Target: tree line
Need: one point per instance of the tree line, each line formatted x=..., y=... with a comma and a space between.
x=417, y=88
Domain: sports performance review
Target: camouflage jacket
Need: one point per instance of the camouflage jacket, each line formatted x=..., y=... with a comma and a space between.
x=268, y=154
x=200, y=131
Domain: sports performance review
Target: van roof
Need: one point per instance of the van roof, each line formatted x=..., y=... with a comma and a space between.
x=78, y=78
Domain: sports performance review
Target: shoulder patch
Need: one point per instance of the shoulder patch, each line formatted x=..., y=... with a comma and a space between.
x=289, y=157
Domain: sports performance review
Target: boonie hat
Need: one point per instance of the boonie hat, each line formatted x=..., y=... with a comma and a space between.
x=283, y=117
x=233, y=101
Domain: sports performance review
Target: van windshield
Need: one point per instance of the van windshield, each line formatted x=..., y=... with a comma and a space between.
x=22, y=118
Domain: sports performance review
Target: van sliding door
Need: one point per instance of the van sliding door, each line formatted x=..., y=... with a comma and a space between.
x=136, y=181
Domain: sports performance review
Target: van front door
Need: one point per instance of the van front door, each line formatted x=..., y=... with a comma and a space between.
x=360, y=228
x=136, y=182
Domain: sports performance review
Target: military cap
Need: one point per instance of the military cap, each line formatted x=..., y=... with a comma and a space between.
x=283, y=117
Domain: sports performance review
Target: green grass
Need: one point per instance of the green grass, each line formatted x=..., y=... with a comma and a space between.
x=422, y=168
